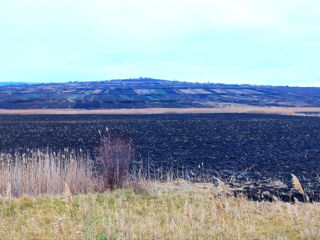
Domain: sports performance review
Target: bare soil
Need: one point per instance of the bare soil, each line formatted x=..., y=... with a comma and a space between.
x=255, y=152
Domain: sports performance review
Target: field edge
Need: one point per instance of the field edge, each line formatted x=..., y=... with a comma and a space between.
x=291, y=111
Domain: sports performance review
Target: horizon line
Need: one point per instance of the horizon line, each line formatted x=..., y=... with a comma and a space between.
x=149, y=78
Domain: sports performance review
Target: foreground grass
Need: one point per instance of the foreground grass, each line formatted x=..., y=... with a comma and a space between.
x=176, y=210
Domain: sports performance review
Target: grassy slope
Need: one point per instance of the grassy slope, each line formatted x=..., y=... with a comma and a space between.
x=174, y=210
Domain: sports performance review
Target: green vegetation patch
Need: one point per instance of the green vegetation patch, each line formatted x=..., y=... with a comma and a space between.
x=29, y=97
x=125, y=97
x=161, y=91
x=152, y=98
x=172, y=210
x=75, y=97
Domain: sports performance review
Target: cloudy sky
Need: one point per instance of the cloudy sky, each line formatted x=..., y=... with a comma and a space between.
x=274, y=42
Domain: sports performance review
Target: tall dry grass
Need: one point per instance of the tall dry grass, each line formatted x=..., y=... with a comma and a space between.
x=43, y=172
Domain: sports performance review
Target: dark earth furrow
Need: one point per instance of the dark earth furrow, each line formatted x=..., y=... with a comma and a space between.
x=260, y=149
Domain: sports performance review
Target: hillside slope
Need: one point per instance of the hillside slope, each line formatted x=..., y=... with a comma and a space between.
x=146, y=92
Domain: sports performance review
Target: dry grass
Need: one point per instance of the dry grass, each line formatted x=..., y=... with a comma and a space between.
x=39, y=172
x=171, y=210
x=297, y=184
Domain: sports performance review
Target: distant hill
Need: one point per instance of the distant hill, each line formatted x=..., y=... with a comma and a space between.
x=11, y=83
x=146, y=92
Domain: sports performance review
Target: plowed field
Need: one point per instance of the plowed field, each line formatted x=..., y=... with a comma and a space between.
x=260, y=151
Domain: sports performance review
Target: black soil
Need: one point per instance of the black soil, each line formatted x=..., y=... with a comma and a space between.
x=259, y=150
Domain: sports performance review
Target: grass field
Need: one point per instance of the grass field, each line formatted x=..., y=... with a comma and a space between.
x=153, y=210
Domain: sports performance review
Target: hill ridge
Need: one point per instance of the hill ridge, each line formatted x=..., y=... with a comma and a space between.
x=155, y=93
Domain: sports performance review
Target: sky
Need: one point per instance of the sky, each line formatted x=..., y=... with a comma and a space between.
x=265, y=42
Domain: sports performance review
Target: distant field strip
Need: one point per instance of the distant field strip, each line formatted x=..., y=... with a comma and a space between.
x=297, y=111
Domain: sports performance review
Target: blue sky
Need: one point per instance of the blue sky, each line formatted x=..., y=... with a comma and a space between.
x=274, y=42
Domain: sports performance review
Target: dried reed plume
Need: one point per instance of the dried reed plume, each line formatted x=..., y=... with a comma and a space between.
x=297, y=184
x=188, y=212
x=9, y=192
x=222, y=188
x=187, y=208
x=60, y=228
x=67, y=194
x=218, y=205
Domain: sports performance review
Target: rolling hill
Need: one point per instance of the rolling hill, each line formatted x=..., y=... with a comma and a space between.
x=147, y=92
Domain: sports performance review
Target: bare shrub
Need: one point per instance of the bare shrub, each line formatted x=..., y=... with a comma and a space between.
x=43, y=172
x=115, y=157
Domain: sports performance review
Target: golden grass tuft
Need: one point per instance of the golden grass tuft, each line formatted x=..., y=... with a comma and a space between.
x=67, y=194
x=222, y=187
x=297, y=184
x=60, y=228
x=9, y=194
